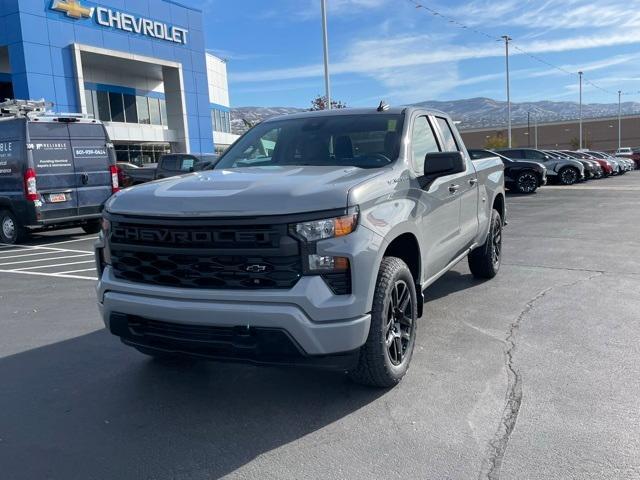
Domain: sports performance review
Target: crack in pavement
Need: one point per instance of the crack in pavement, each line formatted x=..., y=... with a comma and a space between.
x=498, y=446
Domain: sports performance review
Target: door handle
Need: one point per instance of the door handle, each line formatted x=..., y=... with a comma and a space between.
x=473, y=182
x=453, y=188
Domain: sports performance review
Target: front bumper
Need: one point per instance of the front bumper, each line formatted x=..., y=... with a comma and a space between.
x=313, y=338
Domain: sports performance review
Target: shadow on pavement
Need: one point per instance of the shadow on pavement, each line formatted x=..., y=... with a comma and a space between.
x=91, y=408
x=451, y=282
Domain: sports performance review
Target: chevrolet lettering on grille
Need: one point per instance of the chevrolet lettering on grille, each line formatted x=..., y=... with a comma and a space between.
x=191, y=237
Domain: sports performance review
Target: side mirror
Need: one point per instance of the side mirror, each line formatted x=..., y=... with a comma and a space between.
x=443, y=163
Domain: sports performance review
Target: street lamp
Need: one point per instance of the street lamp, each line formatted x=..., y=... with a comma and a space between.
x=619, y=119
x=580, y=140
x=325, y=40
x=507, y=39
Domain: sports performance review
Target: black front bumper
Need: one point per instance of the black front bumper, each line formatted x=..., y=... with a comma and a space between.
x=240, y=344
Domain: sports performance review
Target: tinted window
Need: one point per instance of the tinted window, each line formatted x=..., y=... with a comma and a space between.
x=104, y=112
x=169, y=162
x=117, y=107
x=535, y=155
x=423, y=141
x=449, y=143
x=512, y=153
x=365, y=141
x=130, y=111
x=86, y=130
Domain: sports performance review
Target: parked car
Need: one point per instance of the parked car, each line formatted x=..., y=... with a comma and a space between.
x=627, y=152
x=298, y=255
x=172, y=165
x=608, y=166
x=123, y=175
x=55, y=172
x=560, y=170
x=621, y=164
x=592, y=169
x=519, y=175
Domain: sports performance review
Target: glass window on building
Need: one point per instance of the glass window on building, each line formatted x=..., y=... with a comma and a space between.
x=130, y=110
x=163, y=111
x=104, y=112
x=117, y=107
x=142, y=104
x=154, y=111
x=88, y=98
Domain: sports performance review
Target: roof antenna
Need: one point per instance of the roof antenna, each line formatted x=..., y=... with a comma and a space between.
x=383, y=107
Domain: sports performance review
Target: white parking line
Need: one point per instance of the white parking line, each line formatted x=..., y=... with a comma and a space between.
x=77, y=271
x=71, y=241
x=56, y=275
x=37, y=247
x=50, y=266
x=46, y=259
x=7, y=257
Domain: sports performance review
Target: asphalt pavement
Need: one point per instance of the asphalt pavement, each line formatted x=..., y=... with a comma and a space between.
x=532, y=375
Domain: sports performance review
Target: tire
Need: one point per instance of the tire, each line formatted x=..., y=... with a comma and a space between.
x=11, y=232
x=527, y=182
x=568, y=175
x=484, y=261
x=92, y=227
x=385, y=357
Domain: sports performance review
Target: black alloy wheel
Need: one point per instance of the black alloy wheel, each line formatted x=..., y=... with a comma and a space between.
x=527, y=182
x=399, y=326
x=496, y=242
x=569, y=176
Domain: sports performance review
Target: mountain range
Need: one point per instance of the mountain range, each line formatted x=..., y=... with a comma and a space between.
x=471, y=113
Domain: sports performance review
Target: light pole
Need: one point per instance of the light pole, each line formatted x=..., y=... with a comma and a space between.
x=535, y=123
x=507, y=39
x=619, y=119
x=325, y=40
x=529, y=129
x=580, y=140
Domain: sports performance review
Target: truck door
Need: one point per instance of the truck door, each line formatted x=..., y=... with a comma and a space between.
x=53, y=164
x=91, y=160
x=468, y=190
x=439, y=227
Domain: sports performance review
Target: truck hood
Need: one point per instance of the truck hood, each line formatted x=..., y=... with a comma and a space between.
x=248, y=191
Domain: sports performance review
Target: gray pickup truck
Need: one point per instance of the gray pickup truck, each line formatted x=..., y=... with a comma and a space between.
x=311, y=242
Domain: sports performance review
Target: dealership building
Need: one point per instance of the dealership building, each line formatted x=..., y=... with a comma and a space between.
x=138, y=65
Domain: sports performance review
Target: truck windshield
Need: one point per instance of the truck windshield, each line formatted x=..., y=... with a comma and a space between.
x=365, y=141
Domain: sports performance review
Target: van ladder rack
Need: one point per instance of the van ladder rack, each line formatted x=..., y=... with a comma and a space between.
x=24, y=108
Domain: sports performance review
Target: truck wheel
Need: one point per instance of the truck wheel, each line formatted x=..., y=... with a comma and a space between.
x=92, y=227
x=11, y=232
x=484, y=261
x=385, y=357
x=527, y=182
x=569, y=175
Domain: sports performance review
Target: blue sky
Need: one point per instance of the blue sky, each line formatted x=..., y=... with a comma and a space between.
x=390, y=49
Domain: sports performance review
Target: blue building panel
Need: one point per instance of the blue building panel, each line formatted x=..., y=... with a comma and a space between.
x=40, y=42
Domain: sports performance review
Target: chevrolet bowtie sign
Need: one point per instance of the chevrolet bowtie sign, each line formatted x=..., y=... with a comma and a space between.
x=110, y=18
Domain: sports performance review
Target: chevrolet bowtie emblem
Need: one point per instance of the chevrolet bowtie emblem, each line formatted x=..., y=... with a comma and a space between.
x=72, y=8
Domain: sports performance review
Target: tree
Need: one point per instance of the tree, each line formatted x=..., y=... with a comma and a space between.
x=586, y=143
x=496, y=141
x=320, y=103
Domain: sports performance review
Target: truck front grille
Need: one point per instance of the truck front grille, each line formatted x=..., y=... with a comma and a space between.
x=206, y=271
x=207, y=256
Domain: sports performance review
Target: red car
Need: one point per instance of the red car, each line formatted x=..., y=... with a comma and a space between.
x=633, y=154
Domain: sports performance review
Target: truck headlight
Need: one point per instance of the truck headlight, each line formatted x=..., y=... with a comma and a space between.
x=327, y=228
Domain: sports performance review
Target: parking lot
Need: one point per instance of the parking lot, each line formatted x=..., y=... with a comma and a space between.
x=533, y=375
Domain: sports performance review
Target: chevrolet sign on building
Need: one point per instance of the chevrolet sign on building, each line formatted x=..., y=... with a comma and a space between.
x=110, y=18
x=139, y=66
